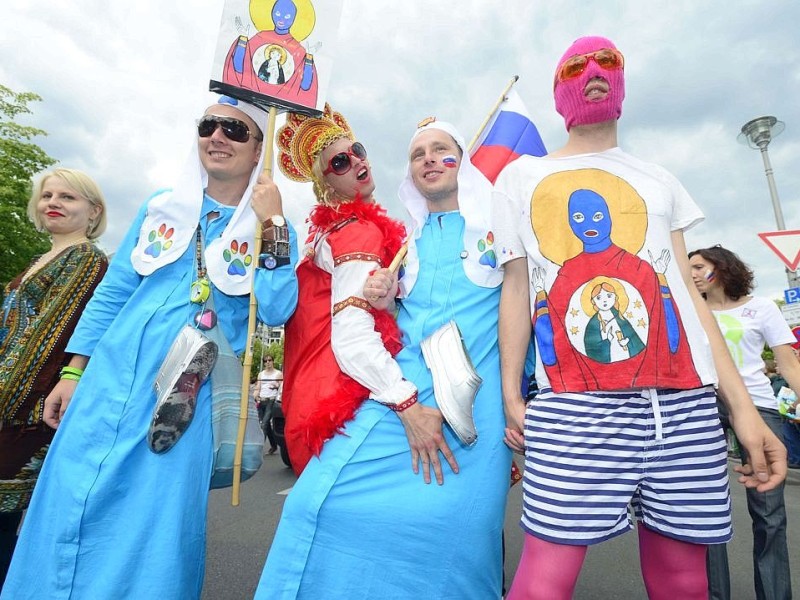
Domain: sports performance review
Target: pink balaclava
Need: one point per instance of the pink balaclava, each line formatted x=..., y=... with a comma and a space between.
x=570, y=101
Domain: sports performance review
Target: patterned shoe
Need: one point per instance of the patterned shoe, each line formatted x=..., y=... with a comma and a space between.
x=175, y=406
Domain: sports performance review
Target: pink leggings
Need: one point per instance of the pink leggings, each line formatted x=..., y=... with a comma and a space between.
x=670, y=568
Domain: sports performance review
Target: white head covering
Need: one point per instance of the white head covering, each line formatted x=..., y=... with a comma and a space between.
x=475, y=205
x=172, y=219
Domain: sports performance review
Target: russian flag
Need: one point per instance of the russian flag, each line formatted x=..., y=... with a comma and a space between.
x=510, y=133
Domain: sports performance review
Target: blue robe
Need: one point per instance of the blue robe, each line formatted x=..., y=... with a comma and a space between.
x=359, y=523
x=109, y=518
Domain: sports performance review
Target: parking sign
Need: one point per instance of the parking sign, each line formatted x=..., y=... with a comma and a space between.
x=792, y=295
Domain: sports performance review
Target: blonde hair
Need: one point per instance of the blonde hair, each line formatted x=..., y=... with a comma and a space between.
x=83, y=185
x=604, y=286
x=322, y=190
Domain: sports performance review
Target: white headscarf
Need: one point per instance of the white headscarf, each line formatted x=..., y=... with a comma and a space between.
x=474, y=203
x=172, y=219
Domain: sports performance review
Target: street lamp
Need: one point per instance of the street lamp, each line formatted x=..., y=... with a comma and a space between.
x=757, y=134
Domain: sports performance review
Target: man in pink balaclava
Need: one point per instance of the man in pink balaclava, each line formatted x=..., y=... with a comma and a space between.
x=628, y=355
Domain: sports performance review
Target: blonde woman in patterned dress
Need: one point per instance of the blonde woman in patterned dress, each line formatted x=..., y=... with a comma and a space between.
x=40, y=309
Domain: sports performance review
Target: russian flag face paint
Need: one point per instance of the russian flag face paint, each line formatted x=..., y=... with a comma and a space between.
x=710, y=275
x=450, y=161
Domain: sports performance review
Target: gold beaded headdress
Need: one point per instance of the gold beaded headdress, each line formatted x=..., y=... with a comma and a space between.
x=302, y=139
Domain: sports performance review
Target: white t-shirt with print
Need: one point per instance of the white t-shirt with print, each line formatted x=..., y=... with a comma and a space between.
x=596, y=232
x=746, y=329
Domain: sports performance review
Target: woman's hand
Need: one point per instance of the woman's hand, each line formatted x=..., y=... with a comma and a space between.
x=55, y=405
x=423, y=427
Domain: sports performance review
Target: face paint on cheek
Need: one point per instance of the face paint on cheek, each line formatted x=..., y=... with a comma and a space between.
x=450, y=161
x=710, y=275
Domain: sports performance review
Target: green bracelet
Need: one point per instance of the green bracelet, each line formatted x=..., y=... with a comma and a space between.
x=71, y=371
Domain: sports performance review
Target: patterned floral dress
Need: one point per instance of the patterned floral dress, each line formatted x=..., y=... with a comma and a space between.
x=38, y=317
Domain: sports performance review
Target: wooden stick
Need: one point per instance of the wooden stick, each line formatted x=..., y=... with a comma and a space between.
x=491, y=112
x=398, y=258
x=251, y=321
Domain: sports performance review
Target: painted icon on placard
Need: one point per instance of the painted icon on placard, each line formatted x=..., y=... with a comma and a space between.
x=277, y=52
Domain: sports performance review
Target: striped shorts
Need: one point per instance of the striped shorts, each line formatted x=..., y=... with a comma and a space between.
x=588, y=456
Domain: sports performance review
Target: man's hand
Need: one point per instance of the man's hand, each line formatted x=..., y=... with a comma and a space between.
x=766, y=456
x=515, y=424
x=266, y=198
x=423, y=427
x=55, y=405
x=380, y=289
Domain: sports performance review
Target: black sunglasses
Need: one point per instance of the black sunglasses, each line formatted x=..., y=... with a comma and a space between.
x=234, y=129
x=340, y=163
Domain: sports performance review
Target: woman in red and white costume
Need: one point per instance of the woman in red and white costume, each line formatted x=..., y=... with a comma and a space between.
x=339, y=351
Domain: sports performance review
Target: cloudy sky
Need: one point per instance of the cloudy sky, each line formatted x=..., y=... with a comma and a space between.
x=123, y=82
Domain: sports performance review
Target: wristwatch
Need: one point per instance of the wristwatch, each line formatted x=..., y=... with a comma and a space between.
x=270, y=261
x=275, y=221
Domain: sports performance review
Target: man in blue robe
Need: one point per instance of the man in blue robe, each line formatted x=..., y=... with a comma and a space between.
x=365, y=519
x=111, y=518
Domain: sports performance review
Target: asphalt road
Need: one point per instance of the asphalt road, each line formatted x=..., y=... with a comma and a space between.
x=239, y=538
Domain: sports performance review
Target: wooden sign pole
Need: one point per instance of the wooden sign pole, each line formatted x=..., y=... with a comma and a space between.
x=251, y=321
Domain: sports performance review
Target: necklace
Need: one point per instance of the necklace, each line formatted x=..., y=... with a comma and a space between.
x=200, y=290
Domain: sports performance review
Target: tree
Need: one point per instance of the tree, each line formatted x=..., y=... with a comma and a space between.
x=20, y=159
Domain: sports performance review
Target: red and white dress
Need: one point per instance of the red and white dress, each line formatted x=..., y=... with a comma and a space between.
x=339, y=351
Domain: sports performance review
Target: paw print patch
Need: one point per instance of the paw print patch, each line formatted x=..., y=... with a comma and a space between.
x=160, y=240
x=237, y=257
x=485, y=247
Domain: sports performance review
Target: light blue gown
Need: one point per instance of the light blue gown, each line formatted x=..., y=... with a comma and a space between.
x=359, y=523
x=109, y=518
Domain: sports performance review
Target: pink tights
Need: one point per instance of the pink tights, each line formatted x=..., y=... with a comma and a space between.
x=546, y=571
x=670, y=569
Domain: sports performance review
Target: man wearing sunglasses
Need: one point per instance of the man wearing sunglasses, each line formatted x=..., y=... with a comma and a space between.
x=187, y=260
x=612, y=426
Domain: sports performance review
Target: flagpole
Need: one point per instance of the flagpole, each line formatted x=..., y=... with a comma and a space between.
x=251, y=321
x=491, y=112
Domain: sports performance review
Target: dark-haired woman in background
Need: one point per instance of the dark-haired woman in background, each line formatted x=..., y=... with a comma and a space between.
x=748, y=323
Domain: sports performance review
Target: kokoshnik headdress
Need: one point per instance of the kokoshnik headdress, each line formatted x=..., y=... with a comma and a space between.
x=303, y=138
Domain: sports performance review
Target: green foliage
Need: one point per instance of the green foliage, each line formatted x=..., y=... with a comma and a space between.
x=767, y=354
x=20, y=159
